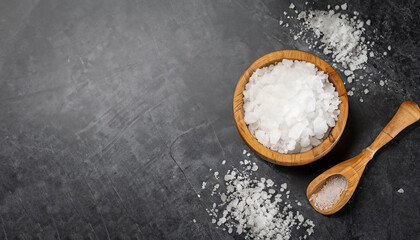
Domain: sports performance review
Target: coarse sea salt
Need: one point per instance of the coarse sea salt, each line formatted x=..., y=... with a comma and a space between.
x=330, y=192
x=253, y=208
x=290, y=106
x=341, y=34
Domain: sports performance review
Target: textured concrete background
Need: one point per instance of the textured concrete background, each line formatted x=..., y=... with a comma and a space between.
x=112, y=113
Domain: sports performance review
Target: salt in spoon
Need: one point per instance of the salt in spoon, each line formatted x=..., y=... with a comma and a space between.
x=352, y=169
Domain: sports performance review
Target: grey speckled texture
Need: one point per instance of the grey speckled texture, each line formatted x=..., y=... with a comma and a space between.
x=112, y=113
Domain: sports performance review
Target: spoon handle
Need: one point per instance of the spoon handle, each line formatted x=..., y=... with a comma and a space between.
x=407, y=114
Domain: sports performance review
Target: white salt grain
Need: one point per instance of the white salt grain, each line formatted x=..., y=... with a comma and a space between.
x=385, y=53
x=290, y=106
x=330, y=192
x=368, y=22
x=381, y=82
x=250, y=208
x=348, y=72
x=389, y=48
x=366, y=91
x=292, y=6
x=223, y=162
x=400, y=190
x=344, y=6
x=203, y=185
x=194, y=221
x=216, y=175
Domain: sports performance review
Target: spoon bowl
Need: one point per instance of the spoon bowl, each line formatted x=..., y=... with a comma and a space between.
x=352, y=169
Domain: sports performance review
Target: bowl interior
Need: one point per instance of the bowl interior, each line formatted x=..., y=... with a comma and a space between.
x=298, y=158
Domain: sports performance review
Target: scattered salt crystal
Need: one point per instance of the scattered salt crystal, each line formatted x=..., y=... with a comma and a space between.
x=284, y=185
x=366, y=91
x=350, y=93
x=216, y=175
x=381, y=82
x=198, y=195
x=348, y=72
x=389, y=47
x=333, y=27
x=249, y=208
x=223, y=197
x=244, y=152
x=270, y=183
x=292, y=6
x=289, y=103
x=254, y=167
x=285, y=13
x=400, y=190
x=248, y=154
x=223, y=162
x=194, y=221
x=203, y=186
x=385, y=53
x=330, y=192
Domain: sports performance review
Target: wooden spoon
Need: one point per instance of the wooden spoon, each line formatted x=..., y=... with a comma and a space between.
x=352, y=169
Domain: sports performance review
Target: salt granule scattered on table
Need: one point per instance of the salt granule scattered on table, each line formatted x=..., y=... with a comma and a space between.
x=290, y=106
x=341, y=34
x=330, y=192
x=253, y=208
x=400, y=190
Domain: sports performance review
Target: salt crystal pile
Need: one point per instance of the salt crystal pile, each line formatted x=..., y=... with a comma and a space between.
x=341, y=36
x=340, y=33
x=330, y=192
x=290, y=106
x=254, y=208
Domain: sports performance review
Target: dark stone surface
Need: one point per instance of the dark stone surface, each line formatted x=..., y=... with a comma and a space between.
x=112, y=113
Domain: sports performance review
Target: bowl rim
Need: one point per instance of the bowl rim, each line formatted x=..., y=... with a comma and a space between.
x=295, y=159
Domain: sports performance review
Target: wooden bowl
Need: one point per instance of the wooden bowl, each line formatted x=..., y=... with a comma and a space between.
x=298, y=158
